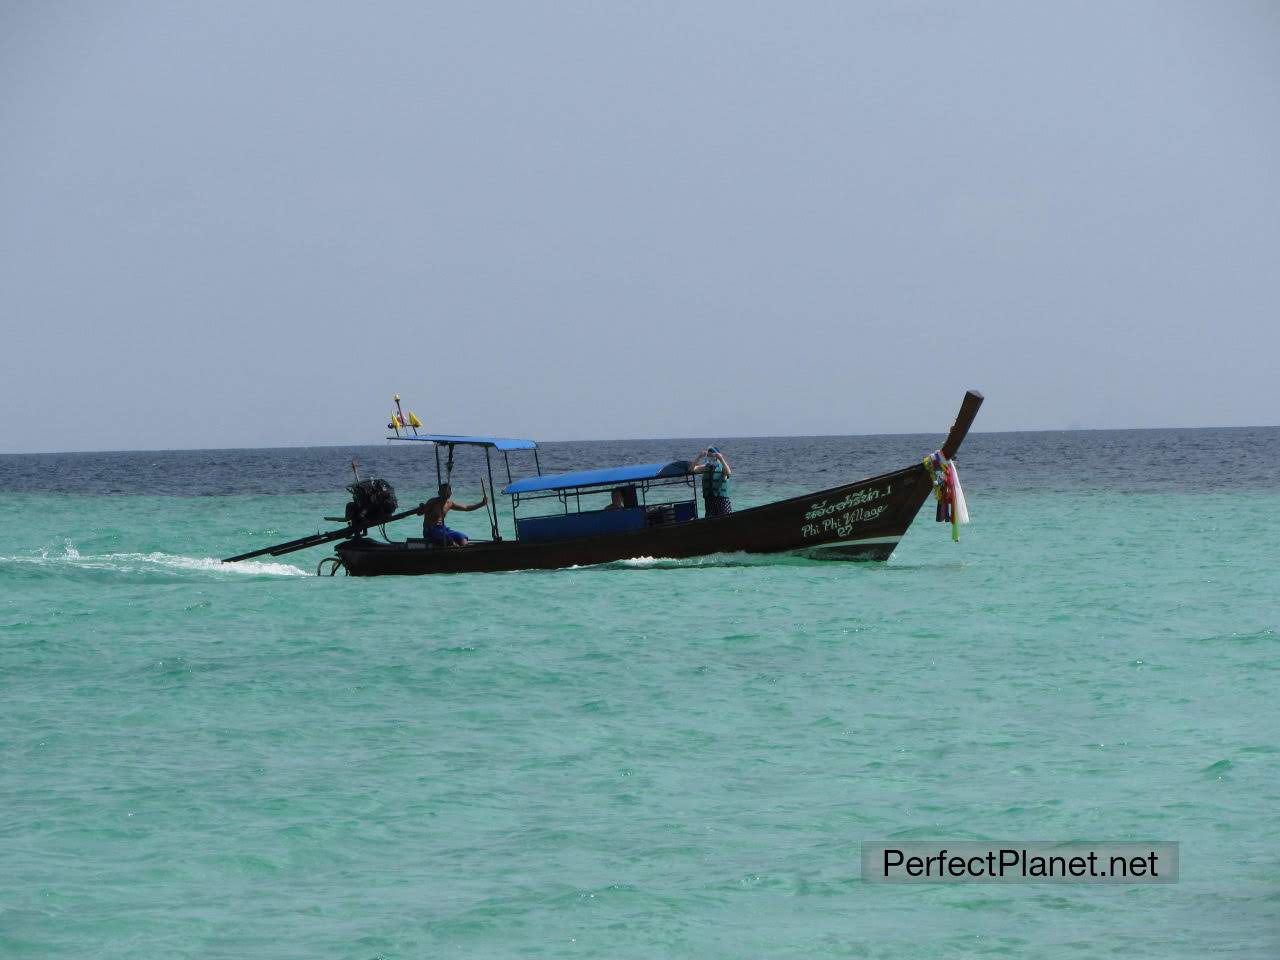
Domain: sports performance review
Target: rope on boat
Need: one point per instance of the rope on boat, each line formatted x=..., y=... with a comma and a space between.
x=333, y=571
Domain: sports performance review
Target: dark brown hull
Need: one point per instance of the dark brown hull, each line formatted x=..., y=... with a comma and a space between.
x=857, y=521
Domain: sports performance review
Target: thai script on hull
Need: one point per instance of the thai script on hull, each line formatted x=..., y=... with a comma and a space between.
x=856, y=498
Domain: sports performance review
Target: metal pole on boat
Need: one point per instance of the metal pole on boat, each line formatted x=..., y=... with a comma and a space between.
x=302, y=543
x=493, y=506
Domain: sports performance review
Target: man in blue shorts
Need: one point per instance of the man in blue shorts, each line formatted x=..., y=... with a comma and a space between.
x=433, y=529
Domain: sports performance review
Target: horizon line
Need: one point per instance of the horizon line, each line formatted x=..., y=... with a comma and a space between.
x=722, y=437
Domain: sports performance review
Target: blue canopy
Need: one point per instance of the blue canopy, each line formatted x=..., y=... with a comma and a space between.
x=594, y=478
x=498, y=443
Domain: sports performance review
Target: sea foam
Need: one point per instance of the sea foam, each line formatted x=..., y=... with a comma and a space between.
x=155, y=562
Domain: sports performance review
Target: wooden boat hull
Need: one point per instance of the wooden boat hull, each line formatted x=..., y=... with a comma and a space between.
x=863, y=520
x=857, y=521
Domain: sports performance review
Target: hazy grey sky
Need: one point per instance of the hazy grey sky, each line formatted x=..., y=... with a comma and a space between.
x=247, y=223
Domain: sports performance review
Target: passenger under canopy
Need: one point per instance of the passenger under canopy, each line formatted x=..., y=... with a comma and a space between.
x=631, y=510
x=609, y=476
x=502, y=444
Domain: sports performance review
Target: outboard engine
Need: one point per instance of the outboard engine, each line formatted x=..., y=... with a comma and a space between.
x=372, y=502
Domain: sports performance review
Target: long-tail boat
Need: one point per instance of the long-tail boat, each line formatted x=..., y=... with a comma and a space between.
x=658, y=516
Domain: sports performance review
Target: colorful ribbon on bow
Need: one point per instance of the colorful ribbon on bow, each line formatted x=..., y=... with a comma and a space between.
x=948, y=492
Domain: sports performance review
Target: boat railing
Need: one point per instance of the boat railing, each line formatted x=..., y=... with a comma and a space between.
x=583, y=512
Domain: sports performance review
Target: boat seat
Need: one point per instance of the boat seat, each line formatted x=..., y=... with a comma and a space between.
x=660, y=514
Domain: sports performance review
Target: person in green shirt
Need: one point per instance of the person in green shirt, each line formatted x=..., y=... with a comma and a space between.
x=715, y=472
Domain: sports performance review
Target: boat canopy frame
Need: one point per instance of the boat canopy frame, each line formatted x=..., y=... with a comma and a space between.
x=604, y=477
x=502, y=444
x=565, y=487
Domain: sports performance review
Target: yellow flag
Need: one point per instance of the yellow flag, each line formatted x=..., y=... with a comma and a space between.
x=413, y=419
x=394, y=423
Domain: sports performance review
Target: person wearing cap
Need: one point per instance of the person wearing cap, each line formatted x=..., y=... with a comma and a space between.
x=715, y=481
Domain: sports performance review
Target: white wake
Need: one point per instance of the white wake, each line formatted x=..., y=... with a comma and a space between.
x=155, y=562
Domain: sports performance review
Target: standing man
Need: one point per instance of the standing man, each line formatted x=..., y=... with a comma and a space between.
x=433, y=511
x=715, y=481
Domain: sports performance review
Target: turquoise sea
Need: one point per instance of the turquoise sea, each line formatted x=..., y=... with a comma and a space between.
x=651, y=758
